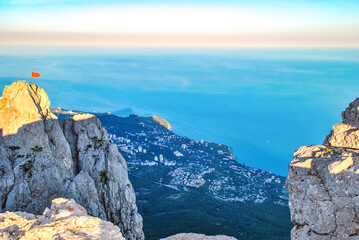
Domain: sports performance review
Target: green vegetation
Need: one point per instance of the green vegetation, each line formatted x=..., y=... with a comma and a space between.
x=37, y=149
x=96, y=139
x=104, y=177
x=168, y=211
x=13, y=148
x=27, y=167
x=2, y=170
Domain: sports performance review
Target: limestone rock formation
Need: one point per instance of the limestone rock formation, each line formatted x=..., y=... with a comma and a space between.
x=346, y=134
x=323, y=184
x=163, y=122
x=65, y=220
x=101, y=183
x=40, y=161
x=195, y=236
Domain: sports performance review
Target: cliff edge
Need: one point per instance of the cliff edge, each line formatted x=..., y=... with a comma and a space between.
x=196, y=236
x=323, y=183
x=65, y=220
x=41, y=160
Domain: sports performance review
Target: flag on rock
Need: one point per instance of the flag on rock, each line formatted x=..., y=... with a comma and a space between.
x=35, y=74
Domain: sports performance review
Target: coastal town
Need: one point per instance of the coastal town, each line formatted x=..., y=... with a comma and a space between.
x=200, y=180
x=157, y=155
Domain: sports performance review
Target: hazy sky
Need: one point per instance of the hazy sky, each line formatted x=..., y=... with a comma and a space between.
x=180, y=23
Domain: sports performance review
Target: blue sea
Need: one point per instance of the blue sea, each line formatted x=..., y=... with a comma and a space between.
x=263, y=103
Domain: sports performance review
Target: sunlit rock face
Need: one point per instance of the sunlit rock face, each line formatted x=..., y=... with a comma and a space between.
x=40, y=161
x=323, y=183
x=22, y=104
x=163, y=122
x=35, y=159
x=346, y=134
x=195, y=236
x=65, y=220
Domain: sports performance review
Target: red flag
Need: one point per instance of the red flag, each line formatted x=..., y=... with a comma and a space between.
x=35, y=74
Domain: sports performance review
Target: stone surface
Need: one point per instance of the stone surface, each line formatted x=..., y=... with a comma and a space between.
x=64, y=220
x=323, y=184
x=163, y=122
x=101, y=183
x=346, y=134
x=195, y=236
x=40, y=161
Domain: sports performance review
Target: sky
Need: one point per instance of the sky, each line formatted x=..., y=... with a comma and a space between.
x=225, y=23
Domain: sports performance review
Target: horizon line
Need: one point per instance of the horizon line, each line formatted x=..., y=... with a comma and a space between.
x=279, y=40
x=184, y=46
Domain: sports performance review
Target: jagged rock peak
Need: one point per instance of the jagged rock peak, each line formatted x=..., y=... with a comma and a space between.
x=22, y=104
x=346, y=134
x=40, y=161
x=323, y=184
x=351, y=114
x=65, y=220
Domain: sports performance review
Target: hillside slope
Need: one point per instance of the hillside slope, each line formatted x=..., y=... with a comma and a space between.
x=186, y=185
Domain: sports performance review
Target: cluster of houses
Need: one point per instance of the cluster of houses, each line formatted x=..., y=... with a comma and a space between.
x=195, y=163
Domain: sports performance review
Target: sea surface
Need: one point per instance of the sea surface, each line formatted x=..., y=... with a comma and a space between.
x=263, y=103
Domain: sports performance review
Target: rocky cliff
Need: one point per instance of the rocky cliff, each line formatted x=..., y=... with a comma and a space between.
x=64, y=220
x=195, y=236
x=67, y=220
x=41, y=160
x=323, y=183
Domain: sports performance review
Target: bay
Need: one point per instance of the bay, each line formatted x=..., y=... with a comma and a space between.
x=264, y=103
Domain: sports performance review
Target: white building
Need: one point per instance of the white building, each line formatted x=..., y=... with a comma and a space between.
x=178, y=154
x=161, y=158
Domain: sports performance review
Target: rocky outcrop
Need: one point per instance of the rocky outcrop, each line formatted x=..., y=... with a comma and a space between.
x=195, y=236
x=40, y=161
x=346, y=134
x=101, y=182
x=163, y=122
x=323, y=183
x=64, y=220
x=35, y=159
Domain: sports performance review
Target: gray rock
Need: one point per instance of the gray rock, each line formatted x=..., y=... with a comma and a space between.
x=323, y=184
x=40, y=161
x=351, y=114
x=65, y=220
x=196, y=236
x=346, y=134
x=102, y=176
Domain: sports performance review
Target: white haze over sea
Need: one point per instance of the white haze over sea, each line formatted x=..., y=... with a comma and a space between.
x=264, y=103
